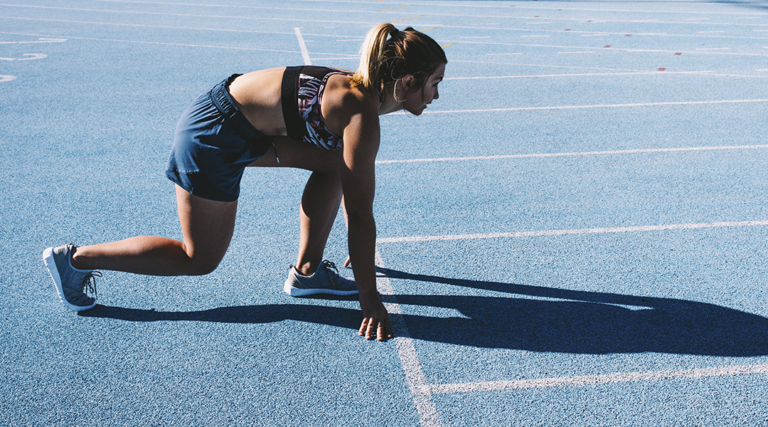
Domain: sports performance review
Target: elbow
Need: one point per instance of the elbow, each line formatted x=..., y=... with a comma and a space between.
x=359, y=216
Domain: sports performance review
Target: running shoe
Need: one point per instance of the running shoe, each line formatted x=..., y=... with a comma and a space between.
x=72, y=285
x=326, y=280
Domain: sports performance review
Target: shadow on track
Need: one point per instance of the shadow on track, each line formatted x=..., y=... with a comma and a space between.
x=541, y=319
x=583, y=322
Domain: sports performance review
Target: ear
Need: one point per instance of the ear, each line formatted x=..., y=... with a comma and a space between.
x=408, y=81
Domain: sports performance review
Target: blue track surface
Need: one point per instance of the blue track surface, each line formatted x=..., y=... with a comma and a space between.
x=573, y=234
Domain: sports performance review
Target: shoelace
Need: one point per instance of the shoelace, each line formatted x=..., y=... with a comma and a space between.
x=331, y=266
x=89, y=283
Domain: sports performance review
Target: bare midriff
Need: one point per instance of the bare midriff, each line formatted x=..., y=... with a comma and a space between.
x=257, y=95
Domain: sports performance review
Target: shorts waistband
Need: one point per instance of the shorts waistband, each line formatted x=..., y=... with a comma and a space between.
x=223, y=101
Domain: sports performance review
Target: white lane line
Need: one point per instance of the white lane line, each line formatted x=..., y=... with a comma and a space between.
x=120, y=24
x=166, y=44
x=582, y=153
x=572, y=232
x=529, y=76
x=614, y=49
x=30, y=55
x=570, y=67
x=262, y=18
x=367, y=23
x=737, y=75
x=332, y=55
x=576, y=107
x=600, y=379
x=589, y=34
x=303, y=46
x=350, y=59
x=654, y=73
x=414, y=374
x=446, y=5
x=41, y=40
x=6, y=78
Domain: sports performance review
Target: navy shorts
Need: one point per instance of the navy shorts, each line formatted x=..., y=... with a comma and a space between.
x=214, y=143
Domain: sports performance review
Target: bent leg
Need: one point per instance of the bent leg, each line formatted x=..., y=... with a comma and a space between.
x=319, y=206
x=321, y=199
x=207, y=227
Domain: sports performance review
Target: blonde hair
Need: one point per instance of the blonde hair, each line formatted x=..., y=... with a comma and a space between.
x=388, y=54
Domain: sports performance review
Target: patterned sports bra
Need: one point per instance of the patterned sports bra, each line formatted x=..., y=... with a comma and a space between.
x=302, y=98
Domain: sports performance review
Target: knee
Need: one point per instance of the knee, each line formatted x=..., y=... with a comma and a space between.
x=202, y=267
x=202, y=261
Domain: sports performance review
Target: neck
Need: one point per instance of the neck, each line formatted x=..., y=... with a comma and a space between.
x=388, y=104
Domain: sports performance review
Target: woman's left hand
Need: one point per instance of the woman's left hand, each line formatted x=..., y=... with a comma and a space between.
x=375, y=319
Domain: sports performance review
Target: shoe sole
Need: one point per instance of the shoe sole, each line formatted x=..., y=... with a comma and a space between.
x=298, y=292
x=50, y=264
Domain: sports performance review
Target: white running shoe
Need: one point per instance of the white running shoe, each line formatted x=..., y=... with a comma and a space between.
x=72, y=285
x=326, y=280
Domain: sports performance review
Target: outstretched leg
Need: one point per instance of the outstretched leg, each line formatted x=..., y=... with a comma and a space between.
x=207, y=227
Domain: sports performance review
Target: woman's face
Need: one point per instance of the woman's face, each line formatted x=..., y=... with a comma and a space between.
x=416, y=101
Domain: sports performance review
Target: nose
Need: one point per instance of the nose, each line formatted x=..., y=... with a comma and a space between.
x=437, y=95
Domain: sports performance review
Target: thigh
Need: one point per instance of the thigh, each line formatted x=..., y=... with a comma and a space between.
x=299, y=154
x=207, y=226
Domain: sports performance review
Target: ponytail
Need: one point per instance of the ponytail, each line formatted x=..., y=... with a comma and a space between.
x=372, y=55
x=388, y=54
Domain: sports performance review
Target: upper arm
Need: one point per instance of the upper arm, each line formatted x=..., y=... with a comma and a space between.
x=358, y=177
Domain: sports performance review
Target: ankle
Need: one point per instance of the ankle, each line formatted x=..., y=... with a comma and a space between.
x=306, y=269
x=74, y=260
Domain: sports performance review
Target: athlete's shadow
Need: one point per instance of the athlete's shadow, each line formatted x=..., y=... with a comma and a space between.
x=558, y=320
x=530, y=318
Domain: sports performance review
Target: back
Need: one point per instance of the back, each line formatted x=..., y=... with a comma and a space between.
x=257, y=95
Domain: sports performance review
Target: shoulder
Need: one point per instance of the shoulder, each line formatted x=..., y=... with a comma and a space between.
x=345, y=104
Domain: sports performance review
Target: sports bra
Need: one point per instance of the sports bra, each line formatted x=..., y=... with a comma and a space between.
x=302, y=98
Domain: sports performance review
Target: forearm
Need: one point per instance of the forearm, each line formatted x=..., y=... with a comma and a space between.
x=362, y=252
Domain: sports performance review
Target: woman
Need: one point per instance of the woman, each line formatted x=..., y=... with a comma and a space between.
x=320, y=119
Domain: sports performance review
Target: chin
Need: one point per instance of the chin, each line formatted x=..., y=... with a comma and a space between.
x=418, y=111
